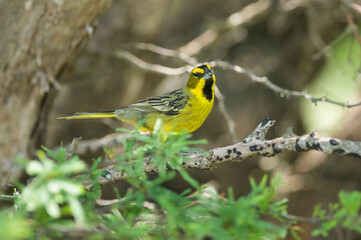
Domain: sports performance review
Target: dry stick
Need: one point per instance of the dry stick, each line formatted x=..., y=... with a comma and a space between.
x=249, y=14
x=352, y=26
x=226, y=65
x=222, y=107
x=121, y=54
x=356, y=7
x=166, y=52
x=82, y=147
x=282, y=91
x=254, y=145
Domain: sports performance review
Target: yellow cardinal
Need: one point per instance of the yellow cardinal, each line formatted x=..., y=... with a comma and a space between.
x=184, y=109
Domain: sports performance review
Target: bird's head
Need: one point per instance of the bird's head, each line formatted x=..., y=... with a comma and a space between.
x=202, y=79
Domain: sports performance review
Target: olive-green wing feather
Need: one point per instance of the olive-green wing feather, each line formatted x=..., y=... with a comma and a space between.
x=169, y=104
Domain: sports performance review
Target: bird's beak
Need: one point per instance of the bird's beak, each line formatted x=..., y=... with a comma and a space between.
x=208, y=74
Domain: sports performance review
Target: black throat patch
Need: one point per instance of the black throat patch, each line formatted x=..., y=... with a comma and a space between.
x=207, y=89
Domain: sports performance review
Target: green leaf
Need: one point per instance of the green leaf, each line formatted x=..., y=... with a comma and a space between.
x=53, y=209
x=34, y=167
x=351, y=202
x=15, y=227
x=319, y=231
x=76, y=209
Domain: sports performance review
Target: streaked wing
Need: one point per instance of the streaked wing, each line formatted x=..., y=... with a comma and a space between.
x=170, y=103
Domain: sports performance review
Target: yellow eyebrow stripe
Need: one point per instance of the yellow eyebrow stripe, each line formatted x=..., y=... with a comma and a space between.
x=198, y=70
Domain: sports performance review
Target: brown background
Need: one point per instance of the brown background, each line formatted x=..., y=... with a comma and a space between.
x=280, y=43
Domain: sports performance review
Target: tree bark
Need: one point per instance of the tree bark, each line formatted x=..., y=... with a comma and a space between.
x=38, y=39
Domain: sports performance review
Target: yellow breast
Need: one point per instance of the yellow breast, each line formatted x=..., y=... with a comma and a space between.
x=199, y=97
x=190, y=118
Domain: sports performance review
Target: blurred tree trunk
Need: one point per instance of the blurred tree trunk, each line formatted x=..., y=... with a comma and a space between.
x=39, y=38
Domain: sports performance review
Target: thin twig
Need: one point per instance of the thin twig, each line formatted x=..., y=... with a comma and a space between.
x=302, y=219
x=351, y=25
x=121, y=54
x=249, y=14
x=82, y=147
x=166, y=52
x=356, y=7
x=227, y=117
x=282, y=91
x=238, y=69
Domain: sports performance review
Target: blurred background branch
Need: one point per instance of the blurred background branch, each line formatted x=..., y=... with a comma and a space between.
x=226, y=66
x=305, y=49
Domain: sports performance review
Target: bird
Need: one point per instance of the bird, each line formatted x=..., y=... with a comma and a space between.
x=184, y=109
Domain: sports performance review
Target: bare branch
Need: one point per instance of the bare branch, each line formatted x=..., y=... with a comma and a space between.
x=238, y=69
x=255, y=145
x=121, y=54
x=82, y=147
x=350, y=22
x=356, y=7
x=282, y=91
x=311, y=220
x=225, y=114
x=166, y=52
x=247, y=15
x=351, y=5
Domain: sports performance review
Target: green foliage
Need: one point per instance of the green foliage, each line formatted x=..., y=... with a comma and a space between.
x=346, y=214
x=52, y=192
x=56, y=205
x=14, y=226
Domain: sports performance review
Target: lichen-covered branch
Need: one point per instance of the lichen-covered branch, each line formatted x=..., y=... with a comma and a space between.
x=256, y=145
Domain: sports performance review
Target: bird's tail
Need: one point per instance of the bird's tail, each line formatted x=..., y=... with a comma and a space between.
x=88, y=115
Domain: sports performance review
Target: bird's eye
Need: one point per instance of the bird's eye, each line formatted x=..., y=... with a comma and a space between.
x=197, y=74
